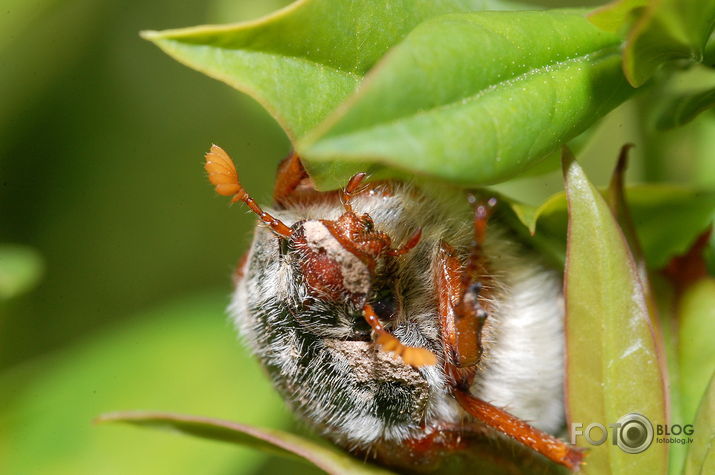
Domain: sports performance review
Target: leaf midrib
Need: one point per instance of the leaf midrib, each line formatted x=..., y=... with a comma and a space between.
x=300, y=58
x=604, y=53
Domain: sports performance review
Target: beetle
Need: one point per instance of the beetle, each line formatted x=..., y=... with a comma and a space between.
x=395, y=323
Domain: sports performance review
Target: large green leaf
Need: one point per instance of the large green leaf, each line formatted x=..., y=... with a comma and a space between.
x=667, y=219
x=475, y=98
x=682, y=109
x=696, y=349
x=660, y=31
x=303, y=61
x=612, y=361
x=701, y=453
x=330, y=459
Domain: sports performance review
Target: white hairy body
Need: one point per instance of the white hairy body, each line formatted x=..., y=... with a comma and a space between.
x=335, y=390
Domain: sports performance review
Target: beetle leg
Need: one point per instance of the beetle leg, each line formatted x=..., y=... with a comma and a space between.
x=547, y=445
x=458, y=287
x=461, y=324
x=350, y=189
x=462, y=318
x=290, y=176
x=476, y=265
x=408, y=245
x=428, y=450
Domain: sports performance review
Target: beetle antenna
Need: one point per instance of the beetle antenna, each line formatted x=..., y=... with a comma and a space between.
x=223, y=175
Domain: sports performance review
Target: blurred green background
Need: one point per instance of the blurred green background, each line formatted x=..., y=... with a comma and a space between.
x=101, y=184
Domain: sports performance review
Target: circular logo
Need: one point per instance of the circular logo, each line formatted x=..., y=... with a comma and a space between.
x=635, y=434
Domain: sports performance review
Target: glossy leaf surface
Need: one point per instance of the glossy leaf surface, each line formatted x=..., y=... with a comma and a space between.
x=476, y=98
x=303, y=61
x=612, y=363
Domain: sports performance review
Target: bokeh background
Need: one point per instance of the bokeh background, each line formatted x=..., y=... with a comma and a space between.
x=127, y=253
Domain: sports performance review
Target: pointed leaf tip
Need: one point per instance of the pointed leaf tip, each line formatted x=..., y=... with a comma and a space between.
x=613, y=359
x=567, y=158
x=149, y=35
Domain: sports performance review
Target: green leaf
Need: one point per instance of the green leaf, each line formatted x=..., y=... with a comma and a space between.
x=617, y=14
x=682, y=109
x=180, y=357
x=20, y=269
x=303, y=61
x=709, y=53
x=615, y=196
x=476, y=98
x=612, y=361
x=531, y=216
x=662, y=31
x=696, y=349
x=667, y=219
x=701, y=454
x=664, y=295
x=330, y=459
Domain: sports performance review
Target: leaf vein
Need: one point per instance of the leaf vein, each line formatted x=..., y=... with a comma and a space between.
x=597, y=55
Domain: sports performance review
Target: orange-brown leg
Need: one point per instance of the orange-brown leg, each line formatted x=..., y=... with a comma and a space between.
x=477, y=264
x=350, y=226
x=462, y=317
x=290, y=175
x=408, y=245
x=461, y=310
x=381, y=188
x=430, y=449
x=547, y=445
x=353, y=187
x=350, y=189
x=426, y=451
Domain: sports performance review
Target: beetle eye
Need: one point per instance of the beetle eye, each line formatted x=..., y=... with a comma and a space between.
x=367, y=223
x=385, y=305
